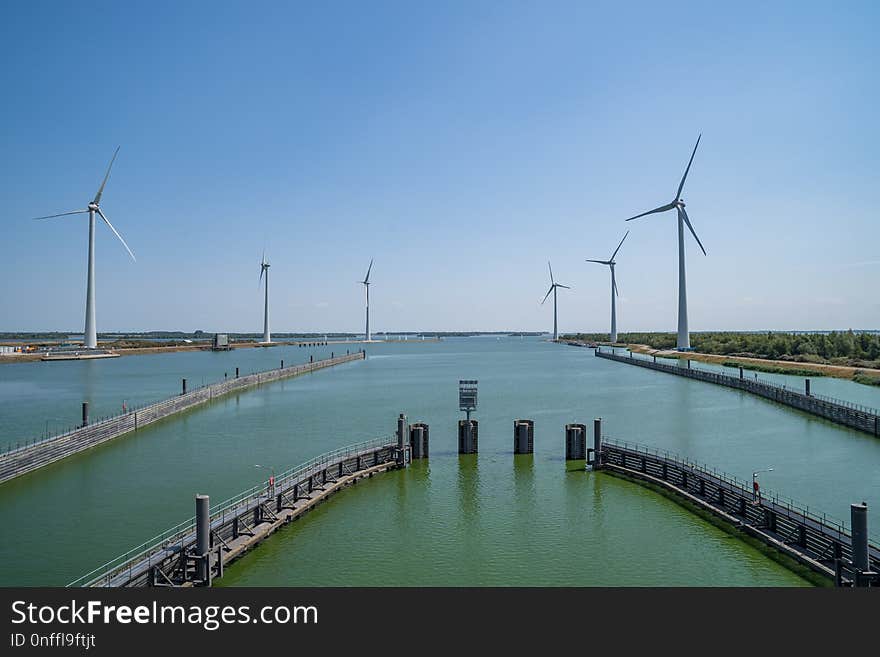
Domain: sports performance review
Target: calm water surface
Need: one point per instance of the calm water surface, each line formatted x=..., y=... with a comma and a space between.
x=485, y=519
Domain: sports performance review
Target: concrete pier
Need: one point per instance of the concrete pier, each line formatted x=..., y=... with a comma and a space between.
x=575, y=442
x=242, y=523
x=21, y=460
x=838, y=411
x=523, y=436
x=809, y=537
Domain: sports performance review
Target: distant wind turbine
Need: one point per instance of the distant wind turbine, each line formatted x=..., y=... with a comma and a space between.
x=610, y=262
x=264, y=268
x=553, y=286
x=366, y=284
x=90, y=335
x=684, y=340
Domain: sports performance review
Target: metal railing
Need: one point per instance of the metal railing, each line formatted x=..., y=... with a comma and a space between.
x=867, y=410
x=174, y=538
x=231, y=383
x=793, y=506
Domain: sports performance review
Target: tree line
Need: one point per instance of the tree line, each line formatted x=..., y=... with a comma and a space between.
x=836, y=347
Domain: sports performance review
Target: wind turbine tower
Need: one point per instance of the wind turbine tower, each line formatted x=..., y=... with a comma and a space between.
x=366, y=284
x=90, y=334
x=610, y=262
x=553, y=286
x=264, y=269
x=684, y=340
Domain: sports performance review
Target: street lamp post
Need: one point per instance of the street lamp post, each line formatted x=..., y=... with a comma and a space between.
x=756, y=489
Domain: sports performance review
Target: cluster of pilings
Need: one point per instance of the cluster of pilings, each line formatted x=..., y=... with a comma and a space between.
x=524, y=438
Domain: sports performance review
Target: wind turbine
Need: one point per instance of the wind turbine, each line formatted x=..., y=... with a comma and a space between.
x=553, y=286
x=90, y=335
x=684, y=340
x=264, y=269
x=610, y=262
x=366, y=284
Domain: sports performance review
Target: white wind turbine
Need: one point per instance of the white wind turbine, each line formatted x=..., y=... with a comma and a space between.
x=614, y=293
x=684, y=340
x=366, y=284
x=553, y=286
x=264, y=268
x=90, y=335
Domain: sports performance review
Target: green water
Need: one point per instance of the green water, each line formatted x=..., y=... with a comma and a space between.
x=485, y=519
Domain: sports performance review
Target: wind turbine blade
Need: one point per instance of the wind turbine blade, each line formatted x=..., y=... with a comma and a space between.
x=684, y=215
x=101, y=188
x=601, y=262
x=260, y=282
x=615, y=288
x=684, y=177
x=563, y=286
x=662, y=208
x=367, y=277
x=63, y=214
x=551, y=272
x=547, y=295
x=611, y=259
x=115, y=232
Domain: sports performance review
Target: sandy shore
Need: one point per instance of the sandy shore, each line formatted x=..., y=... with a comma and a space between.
x=132, y=351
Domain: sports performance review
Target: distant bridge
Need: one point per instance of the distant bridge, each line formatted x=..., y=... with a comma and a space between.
x=31, y=456
x=839, y=411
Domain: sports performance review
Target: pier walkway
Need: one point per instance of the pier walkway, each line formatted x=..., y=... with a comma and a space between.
x=839, y=411
x=31, y=456
x=821, y=543
x=173, y=558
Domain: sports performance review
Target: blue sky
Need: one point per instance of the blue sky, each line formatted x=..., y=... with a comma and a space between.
x=461, y=145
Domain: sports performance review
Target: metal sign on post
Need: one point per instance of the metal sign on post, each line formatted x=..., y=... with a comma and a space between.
x=467, y=396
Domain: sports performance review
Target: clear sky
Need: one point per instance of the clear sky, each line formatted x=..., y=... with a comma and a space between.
x=461, y=145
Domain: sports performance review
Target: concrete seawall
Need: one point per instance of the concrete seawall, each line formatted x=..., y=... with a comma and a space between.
x=835, y=411
x=28, y=458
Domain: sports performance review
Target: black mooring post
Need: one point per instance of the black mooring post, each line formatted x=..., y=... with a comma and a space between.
x=311, y=358
x=859, y=523
x=597, y=443
x=740, y=373
x=282, y=363
x=236, y=372
x=183, y=387
x=85, y=414
x=203, y=535
x=807, y=387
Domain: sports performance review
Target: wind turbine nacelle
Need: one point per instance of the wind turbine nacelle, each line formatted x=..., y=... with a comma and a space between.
x=93, y=206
